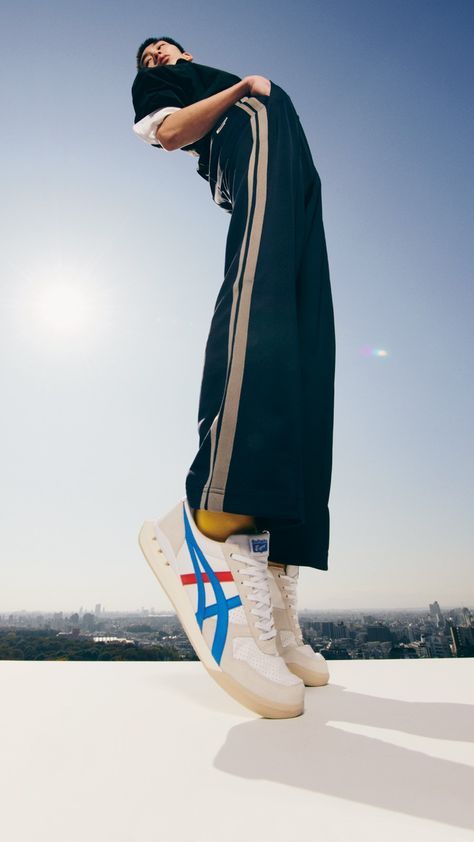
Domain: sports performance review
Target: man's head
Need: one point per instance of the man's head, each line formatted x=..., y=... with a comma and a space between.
x=157, y=51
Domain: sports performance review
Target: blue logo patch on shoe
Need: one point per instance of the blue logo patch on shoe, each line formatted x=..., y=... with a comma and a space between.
x=259, y=545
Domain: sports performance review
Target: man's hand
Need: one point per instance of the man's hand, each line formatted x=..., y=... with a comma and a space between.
x=258, y=85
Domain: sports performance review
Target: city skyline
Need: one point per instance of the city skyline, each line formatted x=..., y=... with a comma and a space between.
x=346, y=635
x=85, y=609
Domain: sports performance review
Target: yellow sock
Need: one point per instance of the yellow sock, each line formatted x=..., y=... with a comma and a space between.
x=219, y=525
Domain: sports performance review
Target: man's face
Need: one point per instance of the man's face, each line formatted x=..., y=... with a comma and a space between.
x=162, y=53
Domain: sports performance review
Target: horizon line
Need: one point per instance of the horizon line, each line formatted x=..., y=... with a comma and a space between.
x=172, y=611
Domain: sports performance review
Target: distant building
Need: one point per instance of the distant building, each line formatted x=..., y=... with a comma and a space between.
x=466, y=616
x=109, y=638
x=462, y=645
x=436, y=613
x=74, y=620
x=438, y=647
x=340, y=631
x=335, y=652
x=421, y=648
x=57, y=621
x=378, y=632
x=88, y=622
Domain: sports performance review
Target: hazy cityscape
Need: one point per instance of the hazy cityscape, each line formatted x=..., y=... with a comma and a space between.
x=100, y=634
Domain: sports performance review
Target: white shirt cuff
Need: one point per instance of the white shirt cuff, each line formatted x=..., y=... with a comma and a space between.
x=146, y=128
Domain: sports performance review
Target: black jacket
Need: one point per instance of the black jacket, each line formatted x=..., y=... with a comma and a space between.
x=180, y=85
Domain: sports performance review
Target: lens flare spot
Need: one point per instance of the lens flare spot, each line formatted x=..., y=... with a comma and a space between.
x=370, y=351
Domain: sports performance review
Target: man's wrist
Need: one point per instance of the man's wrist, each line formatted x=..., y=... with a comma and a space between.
x=245, y=85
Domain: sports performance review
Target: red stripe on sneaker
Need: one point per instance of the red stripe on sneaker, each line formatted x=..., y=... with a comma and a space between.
x=190, y=578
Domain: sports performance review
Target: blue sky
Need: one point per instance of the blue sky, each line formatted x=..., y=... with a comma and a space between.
x=98, y=425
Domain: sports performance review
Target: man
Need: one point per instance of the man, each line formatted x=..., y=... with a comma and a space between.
x=256, y=504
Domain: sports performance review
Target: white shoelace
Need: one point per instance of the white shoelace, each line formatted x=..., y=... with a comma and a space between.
x=289, y=586
x=259, y=593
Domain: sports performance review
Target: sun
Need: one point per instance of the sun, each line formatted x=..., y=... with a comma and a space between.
x=64, y=307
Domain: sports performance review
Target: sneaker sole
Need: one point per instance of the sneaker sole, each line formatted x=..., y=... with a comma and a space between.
x=168, y=579
x=314, y=681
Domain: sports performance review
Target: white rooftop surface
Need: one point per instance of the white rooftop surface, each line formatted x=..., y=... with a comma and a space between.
x=135, y=752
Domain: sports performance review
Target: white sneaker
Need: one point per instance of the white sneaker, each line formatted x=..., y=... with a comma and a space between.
x=299, y=656
x=220, y=592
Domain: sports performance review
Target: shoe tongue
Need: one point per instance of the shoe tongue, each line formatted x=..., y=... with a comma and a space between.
x=292, y=570
x=256, y=545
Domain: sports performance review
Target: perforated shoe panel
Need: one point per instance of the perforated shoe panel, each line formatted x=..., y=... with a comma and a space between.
x=270, y=666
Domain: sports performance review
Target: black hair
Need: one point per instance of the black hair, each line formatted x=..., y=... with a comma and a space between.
x=149, y=41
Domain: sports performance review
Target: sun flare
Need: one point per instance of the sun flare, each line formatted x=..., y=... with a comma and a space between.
x=64, y=307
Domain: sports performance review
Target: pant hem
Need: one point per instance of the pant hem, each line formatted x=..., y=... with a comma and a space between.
x=249, y=503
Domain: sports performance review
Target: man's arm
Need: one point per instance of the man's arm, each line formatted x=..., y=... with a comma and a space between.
x=189, y=124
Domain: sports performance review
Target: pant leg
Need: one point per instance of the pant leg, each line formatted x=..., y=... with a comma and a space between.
x=269, y=357
x=307, y=544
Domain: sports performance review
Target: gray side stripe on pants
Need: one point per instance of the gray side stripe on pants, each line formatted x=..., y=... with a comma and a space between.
x=221, y=446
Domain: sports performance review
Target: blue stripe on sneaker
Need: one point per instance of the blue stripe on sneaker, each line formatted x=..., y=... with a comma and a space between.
x=233, y=602
x=222, y=605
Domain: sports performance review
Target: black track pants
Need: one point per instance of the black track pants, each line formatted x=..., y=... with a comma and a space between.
x=267, y=395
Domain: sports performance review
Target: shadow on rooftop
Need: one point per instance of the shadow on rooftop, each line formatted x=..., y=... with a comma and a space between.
x=311, y=753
